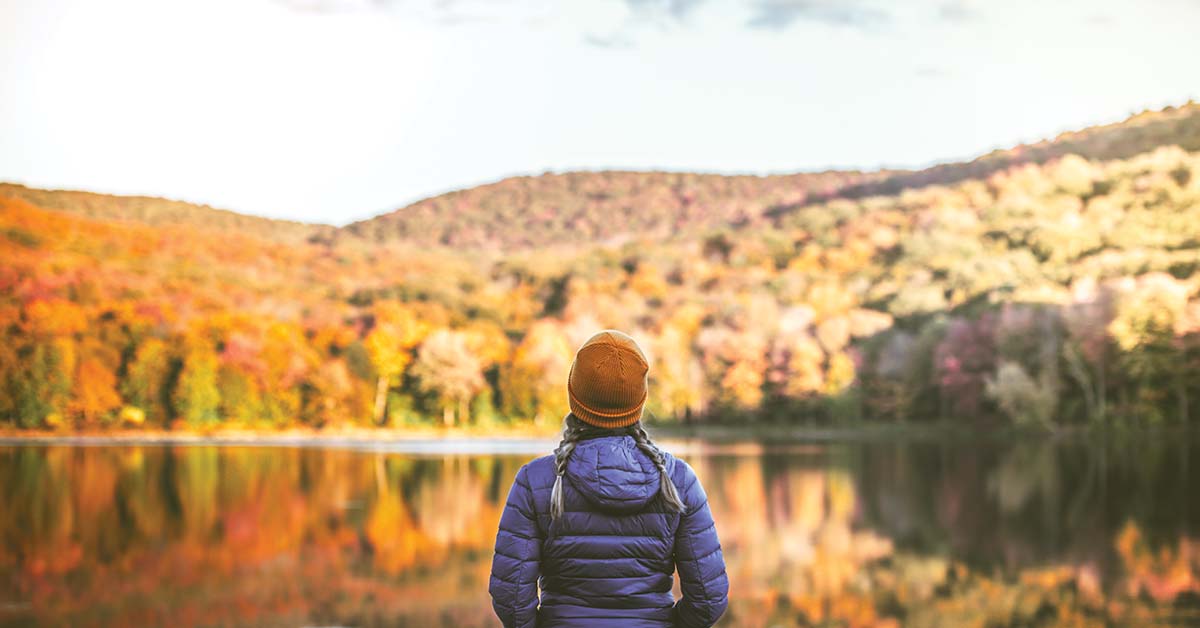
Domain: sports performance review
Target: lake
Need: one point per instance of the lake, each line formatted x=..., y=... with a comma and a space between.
x=877, y=531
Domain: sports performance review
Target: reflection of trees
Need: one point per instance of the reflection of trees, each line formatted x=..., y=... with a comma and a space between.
x=1023, y=473
x=920, y=534
x=1162, y=574
x=790, y=537
x=203, y=535
x=451, y=507
x=803, y=536
x=1020, y=504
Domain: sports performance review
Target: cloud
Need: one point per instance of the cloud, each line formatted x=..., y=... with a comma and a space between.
x=958, y=11
x=447, y=12
x=776, y=15
x=930, y=72
x=643, y=15
x=676, y=9
x=614, y=41
x=780, y=14
x=329, y=6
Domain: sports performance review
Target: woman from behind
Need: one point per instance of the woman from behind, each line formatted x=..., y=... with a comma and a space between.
x=601, y=525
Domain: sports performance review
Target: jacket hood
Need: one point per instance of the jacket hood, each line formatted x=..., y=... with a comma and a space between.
x=613, y=474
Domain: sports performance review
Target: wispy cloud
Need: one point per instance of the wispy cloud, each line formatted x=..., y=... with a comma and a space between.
x=958, y=11
x=447, y=12
x=930, y=72
x=642, y=15
x=615, y=40
x=780, y=14
x=675, y=9
x=330, y=6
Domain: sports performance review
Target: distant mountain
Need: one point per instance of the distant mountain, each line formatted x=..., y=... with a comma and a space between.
x=539, y=211
x=1140, y=133
x=160, y=212
x=534, y=212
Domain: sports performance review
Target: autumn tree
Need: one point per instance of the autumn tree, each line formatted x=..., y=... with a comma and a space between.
x=42, y=389
x=96, y=391
x=533, y=384
x=1152, y=358
x=147, y=381
x=676, y=377
x=197, y=398
x=396, y=331
x=447, y=369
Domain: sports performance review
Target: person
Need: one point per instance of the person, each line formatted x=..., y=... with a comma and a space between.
x=601, y=525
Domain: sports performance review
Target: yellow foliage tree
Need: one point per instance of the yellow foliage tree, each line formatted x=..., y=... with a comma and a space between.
x=396, y=332
x=534, y=384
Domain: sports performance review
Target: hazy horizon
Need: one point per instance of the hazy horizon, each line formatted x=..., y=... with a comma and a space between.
x=330, y=111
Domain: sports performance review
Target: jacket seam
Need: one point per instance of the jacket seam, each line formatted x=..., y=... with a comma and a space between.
x=692, y=551
x=697, y=559
x=521, y=536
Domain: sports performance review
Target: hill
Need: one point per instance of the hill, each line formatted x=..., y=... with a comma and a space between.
x=576, y=207
x=611, y=207
x=1062, y=292
x=1140, y=133
x=154, y=211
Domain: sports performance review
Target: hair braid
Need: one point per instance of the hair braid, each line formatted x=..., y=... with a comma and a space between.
x=572, y=431
x=670, y=495
x=575, y=430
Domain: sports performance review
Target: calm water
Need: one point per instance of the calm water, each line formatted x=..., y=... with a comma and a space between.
x=917, y=533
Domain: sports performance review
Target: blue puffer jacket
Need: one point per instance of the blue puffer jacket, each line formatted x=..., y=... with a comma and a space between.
x=608, y=560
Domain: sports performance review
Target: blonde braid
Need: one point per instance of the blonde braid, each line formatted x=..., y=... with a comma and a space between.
x=572, y=431
x=670, y=495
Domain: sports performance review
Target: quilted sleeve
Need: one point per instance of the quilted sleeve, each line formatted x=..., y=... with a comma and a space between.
x=702, y=577
x=513, y=583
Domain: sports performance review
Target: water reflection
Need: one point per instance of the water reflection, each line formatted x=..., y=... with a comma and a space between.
x=853, y=534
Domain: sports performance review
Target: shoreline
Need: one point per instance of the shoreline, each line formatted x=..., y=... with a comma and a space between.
x=528, y=439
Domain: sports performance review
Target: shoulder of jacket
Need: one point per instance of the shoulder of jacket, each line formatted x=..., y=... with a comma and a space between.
x=539, y=472
x=681, y=472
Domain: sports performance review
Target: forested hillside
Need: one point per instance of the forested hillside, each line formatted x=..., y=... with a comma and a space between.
x=591, y=207
x=1173, y=126
x=534, y=212
x=161, y=212
x=1055, y=285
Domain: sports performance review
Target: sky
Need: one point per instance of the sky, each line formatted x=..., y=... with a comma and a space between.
x=337, y=110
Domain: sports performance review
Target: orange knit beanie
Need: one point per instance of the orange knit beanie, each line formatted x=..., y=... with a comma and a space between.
x=607, y=384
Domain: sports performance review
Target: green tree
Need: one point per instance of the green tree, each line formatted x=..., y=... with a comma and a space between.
x=147, y=381
x=1151, y=358
x=43, y=390
x=197, y=398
